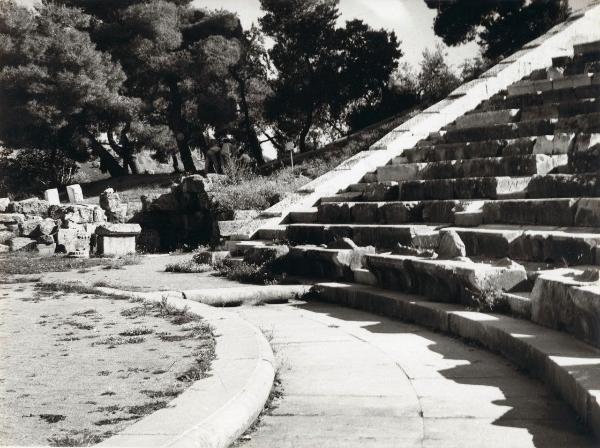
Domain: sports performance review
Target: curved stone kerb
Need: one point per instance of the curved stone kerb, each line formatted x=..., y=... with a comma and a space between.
x=214, y=411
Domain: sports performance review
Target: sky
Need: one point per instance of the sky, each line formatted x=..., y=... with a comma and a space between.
x=410, y=19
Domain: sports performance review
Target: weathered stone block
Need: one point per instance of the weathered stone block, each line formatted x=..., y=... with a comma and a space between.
x=51, y=196
x=468, y=218
x=115, y=229
x=588, y=212
x=4, y=248
x=451, y=246
x=75, y=193
x=29, y=224
x=115, y=246
x=11, y=218
x=45, y=249
x=561, y=302
x=110, y=202
x=6, y=236
x=33, y=206
x=401, y=212
x=20, y=243
x=4, y=204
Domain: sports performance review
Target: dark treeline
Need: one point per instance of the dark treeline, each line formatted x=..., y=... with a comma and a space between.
x=103, y=80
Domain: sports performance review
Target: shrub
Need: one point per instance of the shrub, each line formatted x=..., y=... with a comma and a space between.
x=246, y=272
x=188, y=267
x=42, y=169
x=490, y=300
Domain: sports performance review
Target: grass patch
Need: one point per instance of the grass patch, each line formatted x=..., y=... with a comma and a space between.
x=189, y=267
x=77, y=288
x=23, y=263
x=16, y=280
x=85, y=438
x=113, y=341
x=244, y=272
x=136, y=332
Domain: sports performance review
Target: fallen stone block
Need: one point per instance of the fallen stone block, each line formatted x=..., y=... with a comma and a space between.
x=51, y=196
x=33, y=206
x=560, y=301
x=45, y=227
x=210, y=257
x=75, y=193
x=4, y=204
x=451, y=246
x=117, y=239
x=45, y=249
x=110, y=202
x=442, y=280
x=6, y=236
x=29, y=225
x=20, y=243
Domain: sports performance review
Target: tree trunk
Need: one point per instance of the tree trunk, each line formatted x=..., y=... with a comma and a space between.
x=107, y=161
x=304, y=132
x=177, y=125
x=251, y=136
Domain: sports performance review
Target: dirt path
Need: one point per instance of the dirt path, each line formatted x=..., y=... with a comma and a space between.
x=148, y=275
x=76, y=368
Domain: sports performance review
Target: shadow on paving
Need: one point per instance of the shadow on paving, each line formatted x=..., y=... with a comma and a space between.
x=547, y=418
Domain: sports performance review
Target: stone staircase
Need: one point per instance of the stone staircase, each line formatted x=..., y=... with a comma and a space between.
x=504, y=201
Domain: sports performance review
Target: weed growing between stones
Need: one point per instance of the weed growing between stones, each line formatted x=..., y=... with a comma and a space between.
x=84, y=438
x=490, y=300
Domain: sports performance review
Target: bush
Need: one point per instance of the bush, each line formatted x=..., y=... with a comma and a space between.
x=489, y=300
x=245, y=272
x=41, y=169
x=189, y=267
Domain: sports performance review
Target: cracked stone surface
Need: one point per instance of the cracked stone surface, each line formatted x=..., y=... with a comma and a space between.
x=351, y=378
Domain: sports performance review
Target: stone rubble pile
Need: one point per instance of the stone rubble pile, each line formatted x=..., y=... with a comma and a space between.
x=46, y=227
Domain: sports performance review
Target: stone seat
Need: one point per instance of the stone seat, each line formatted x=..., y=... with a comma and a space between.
x=499, y=131
x=549, y=244
x=568, y=300
x=425, y=236
x=534, y=187
x=528, y=165
x=443, y=280
x=526, y=100
x=547, y=144
x=580, y=212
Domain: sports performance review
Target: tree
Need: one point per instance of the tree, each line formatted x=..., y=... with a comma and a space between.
x=499, y=26
x=251, y=75
x=435, y=79
x=322, y=71
x=58, y=93
x=177, y=60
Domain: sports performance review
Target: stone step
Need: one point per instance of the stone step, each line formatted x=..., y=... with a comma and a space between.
x=273, y=233
x=454, y=281
x=425, y=236
x=533, y=187
x=573, y=246
x=547, y=144
x=527, y=100
x=561, y=110
x=482, y=167
x=569, y=367
x=307, y=215
x=567, y=82
x=477, y=119
x=500, y=131
x=568, y=300
x=579, y=212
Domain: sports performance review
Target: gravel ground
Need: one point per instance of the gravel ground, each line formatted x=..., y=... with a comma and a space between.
x=76, y=368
